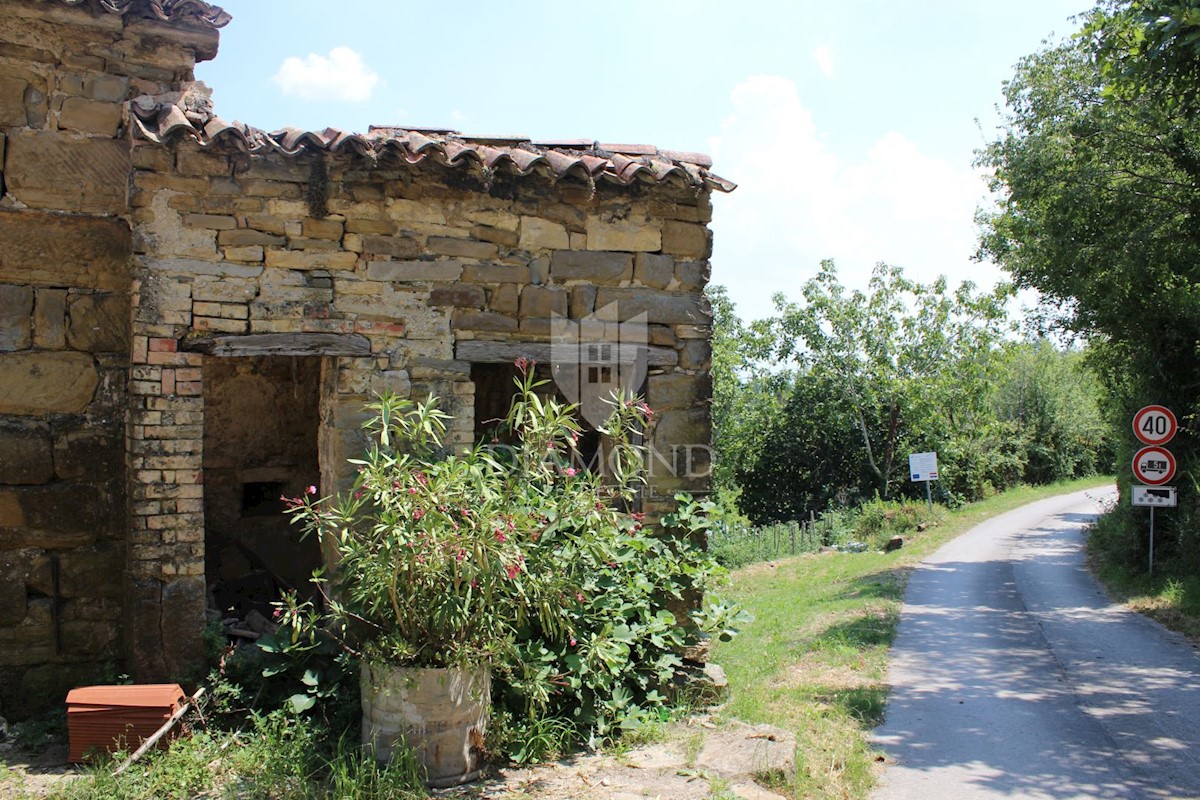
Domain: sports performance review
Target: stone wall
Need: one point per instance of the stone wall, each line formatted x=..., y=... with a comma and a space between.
x=65, y=246
x=410, y=273
x=129, y=269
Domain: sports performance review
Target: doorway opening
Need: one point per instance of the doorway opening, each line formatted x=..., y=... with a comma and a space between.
x=261, y=421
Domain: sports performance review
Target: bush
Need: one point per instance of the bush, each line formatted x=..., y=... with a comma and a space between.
x=518, y=557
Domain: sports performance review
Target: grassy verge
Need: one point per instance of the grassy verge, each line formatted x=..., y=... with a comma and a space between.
x=815, y=660
x=1118, y=554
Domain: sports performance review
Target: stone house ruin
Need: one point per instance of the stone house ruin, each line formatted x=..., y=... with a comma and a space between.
x=193, y=313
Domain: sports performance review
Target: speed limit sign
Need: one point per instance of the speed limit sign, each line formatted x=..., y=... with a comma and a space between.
x=1154, y=425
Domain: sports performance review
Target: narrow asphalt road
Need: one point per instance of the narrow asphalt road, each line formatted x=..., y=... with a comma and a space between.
x=1014, y=676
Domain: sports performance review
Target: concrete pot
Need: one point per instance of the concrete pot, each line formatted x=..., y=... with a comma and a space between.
x=441, y=715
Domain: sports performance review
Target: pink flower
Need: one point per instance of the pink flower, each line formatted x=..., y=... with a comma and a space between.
x=311, y=490
x=522, y=364
x=418, y=513
x=572, y=641
x=512, y=570
x=579, y=596
x=412, y=490
x=571, y=471
x=500, y=537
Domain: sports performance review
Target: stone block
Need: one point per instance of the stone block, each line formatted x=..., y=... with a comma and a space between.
x=92, y=572
x=688, y=239
x=56, y=516
x=676, y=390
x=504, y=298
x=244, y=237
x=330, y=229
x=412, y=211
x=37, y=383
x=109, y=88
x=662, y=308
x=16, y=317
x=13, y=597
x=630, y=235
x=86, y=453
x=541, y=234
x=458, y=296
x=12, y=102
x=541, y=302
x=90, y=116
x=583, y=301
x=99, y=323
x=681, y=427
x=165, y=623
x=495, y=273
x=566, y=265
x=50, y=319
x=90, y=638
x=653, y=269
x=377, y=227
x=299, y=259
x=193, y=163
x=216, y=222
x=64, y=250
x=48, y=169
x=483, y=321
x=252, y=254
x=663, y=336
x=693, y=275
x=406, y=271
x=25, y=454
x=462, y=248
x=224, y=290
x=696, y=354
x=486, y=233
x=394, y=246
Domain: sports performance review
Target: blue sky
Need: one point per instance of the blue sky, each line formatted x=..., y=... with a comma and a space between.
x=849, y=126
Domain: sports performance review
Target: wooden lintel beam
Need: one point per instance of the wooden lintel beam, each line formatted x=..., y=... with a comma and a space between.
x=282, y=344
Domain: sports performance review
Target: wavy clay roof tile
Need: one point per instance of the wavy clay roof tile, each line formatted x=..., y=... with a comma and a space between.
x=189, y=114
x=186, y=12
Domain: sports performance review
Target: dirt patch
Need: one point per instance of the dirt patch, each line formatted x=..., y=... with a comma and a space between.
x=25, y=774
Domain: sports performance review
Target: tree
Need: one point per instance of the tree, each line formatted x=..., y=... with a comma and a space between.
x=747, y=395
x=1148, y=47
x=903, y=360
x=1098, y=199
x=1097, y=180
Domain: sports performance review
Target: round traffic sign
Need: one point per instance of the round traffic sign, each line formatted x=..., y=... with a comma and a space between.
x=1153, y=466
x=1154, y=425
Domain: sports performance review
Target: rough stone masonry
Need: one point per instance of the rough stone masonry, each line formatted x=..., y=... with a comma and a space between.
x=150, y=253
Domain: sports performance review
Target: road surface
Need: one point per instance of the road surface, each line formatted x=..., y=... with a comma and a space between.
x=1013, y=676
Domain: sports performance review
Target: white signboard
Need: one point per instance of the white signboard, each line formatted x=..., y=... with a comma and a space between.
x=923, y=467
x=1154, y=496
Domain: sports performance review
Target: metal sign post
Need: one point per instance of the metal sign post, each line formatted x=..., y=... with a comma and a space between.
x=924, y=467
x=1154, y=426
x=1151, y=540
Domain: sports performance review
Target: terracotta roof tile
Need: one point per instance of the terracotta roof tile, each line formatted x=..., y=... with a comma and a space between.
x=190, y=114
x=187, y=12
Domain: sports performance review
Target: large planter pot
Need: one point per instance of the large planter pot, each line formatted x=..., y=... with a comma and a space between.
x=439, y=714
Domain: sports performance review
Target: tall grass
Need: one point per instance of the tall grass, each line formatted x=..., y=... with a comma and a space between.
x=867, y=527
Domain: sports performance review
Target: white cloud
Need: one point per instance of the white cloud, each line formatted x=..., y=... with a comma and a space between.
x=342, y=75
x=823, y=55
x=797, y=202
